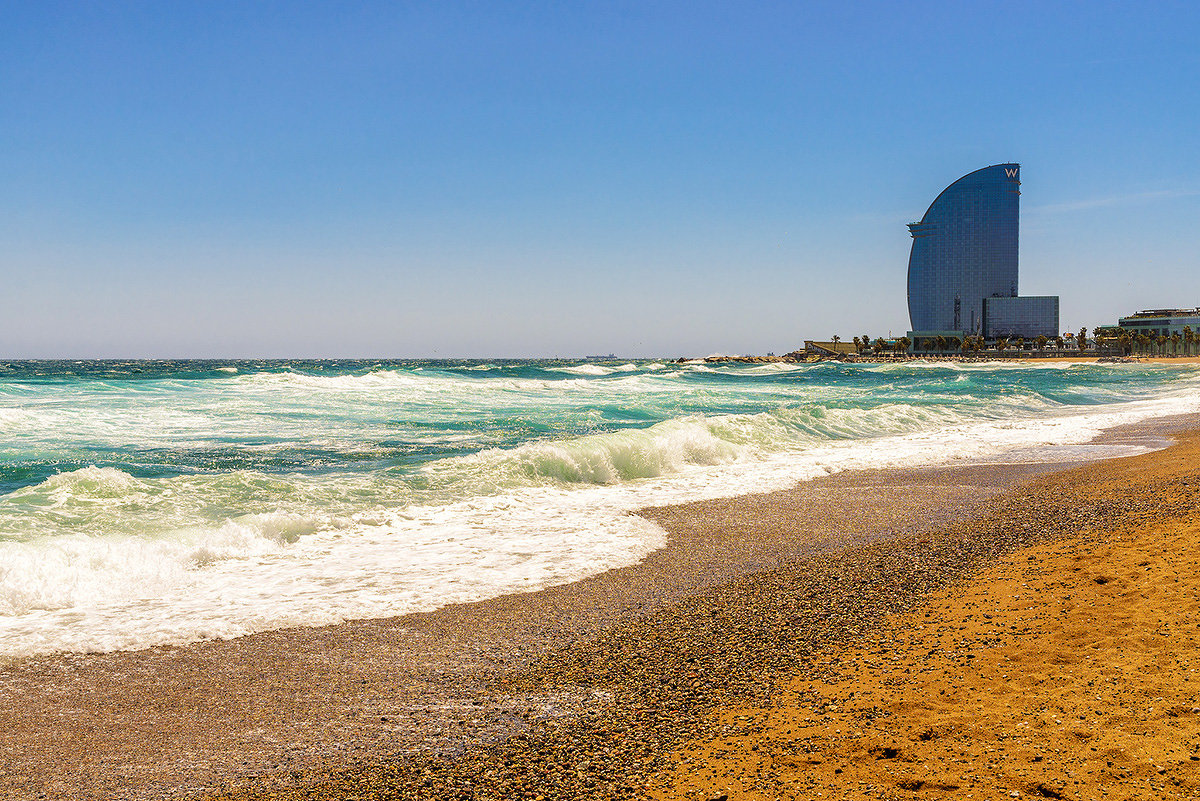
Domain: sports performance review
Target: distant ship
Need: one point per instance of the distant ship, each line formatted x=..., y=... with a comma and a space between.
x=600, y=358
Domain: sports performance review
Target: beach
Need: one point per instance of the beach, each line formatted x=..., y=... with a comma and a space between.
x=615, y=686
x=525, y=402
x=1067, y=669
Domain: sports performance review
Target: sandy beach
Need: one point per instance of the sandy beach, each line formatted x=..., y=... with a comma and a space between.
x=1066, y=669
x=410, y=401
x=680, y=677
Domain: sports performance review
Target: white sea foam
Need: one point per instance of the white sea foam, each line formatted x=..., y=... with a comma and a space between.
x=100, y=559
x=777, y=367
x=376, y=379
x=586, y=369
x=264, y=571
x=10, y=419
x=616, y=456
x=268, y=571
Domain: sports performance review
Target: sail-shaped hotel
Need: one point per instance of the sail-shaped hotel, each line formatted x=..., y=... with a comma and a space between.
x=962, y=272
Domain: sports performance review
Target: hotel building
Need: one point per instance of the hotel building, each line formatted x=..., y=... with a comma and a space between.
x=962, y=271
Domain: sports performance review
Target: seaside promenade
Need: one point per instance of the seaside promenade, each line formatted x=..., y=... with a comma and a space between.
x=978, y=631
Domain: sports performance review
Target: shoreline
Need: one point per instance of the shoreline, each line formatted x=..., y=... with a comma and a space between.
x=289, y=711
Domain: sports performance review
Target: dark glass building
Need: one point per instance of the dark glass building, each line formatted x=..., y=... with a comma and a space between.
x=964, y=252
x=1026, y=317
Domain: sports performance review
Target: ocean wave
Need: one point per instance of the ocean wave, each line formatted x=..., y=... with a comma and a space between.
x=81, y=572
x=601, y=369
x=92, y=481
x=674, y=445
x=262, y=572
x=584, y=369
x=778, y=367
x=621, y=455
x=376, y=379
x=11, y=419
x=104, y=502
x=213, y=508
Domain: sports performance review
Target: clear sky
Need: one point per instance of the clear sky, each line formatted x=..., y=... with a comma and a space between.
x=394, y=179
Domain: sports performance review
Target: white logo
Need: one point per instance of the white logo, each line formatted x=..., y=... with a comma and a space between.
x=1011, y=172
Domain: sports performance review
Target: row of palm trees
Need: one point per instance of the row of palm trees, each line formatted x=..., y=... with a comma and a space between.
x=1184, y=343
x=969, y=343
x=879, y=346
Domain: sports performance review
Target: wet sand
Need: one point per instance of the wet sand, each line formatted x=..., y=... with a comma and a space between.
x=581, y=690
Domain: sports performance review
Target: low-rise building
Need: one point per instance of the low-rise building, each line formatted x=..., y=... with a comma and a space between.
x=1161, y=322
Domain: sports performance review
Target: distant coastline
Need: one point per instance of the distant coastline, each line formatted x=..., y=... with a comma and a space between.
x=801, y=357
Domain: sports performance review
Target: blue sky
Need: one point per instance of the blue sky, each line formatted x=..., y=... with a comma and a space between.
x=538, y=179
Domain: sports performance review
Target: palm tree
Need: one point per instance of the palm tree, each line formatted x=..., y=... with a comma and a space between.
x=1161, y=340
x=1175, y=339
x=880, y=345
x=1040, y=342
x=1058, y=342
x=1189, y=336
x=1001, y=345
x=1082, y=340
x=866, y=340
x=858, y=346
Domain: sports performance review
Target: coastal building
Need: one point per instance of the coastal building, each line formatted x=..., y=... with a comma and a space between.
x=1161, y=322
x=963, y=271
x=1027, y=317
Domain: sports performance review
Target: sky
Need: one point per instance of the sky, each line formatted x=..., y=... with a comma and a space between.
x=519, y=179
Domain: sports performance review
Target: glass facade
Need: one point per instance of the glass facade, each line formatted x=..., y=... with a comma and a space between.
x=964, y=250
x=1028, y=317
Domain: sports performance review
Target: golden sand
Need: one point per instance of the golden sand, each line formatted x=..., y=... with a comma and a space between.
x=1067, y=670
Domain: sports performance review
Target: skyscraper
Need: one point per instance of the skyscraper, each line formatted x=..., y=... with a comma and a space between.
x=964, y=254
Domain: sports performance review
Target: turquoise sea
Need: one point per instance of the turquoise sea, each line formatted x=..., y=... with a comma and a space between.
x=151, y=502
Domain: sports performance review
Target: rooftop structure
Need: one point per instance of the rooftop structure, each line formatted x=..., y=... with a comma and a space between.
x=1163, y=313
x=1161, y=322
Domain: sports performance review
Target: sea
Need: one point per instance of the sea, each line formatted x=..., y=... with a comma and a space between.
x=145, y=503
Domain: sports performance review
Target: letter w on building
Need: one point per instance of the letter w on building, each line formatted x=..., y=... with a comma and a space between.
x=1011, y=172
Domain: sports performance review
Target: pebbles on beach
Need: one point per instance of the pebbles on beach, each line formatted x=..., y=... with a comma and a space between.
x=735, y=644
x=1066, y=670
x=593, y=690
